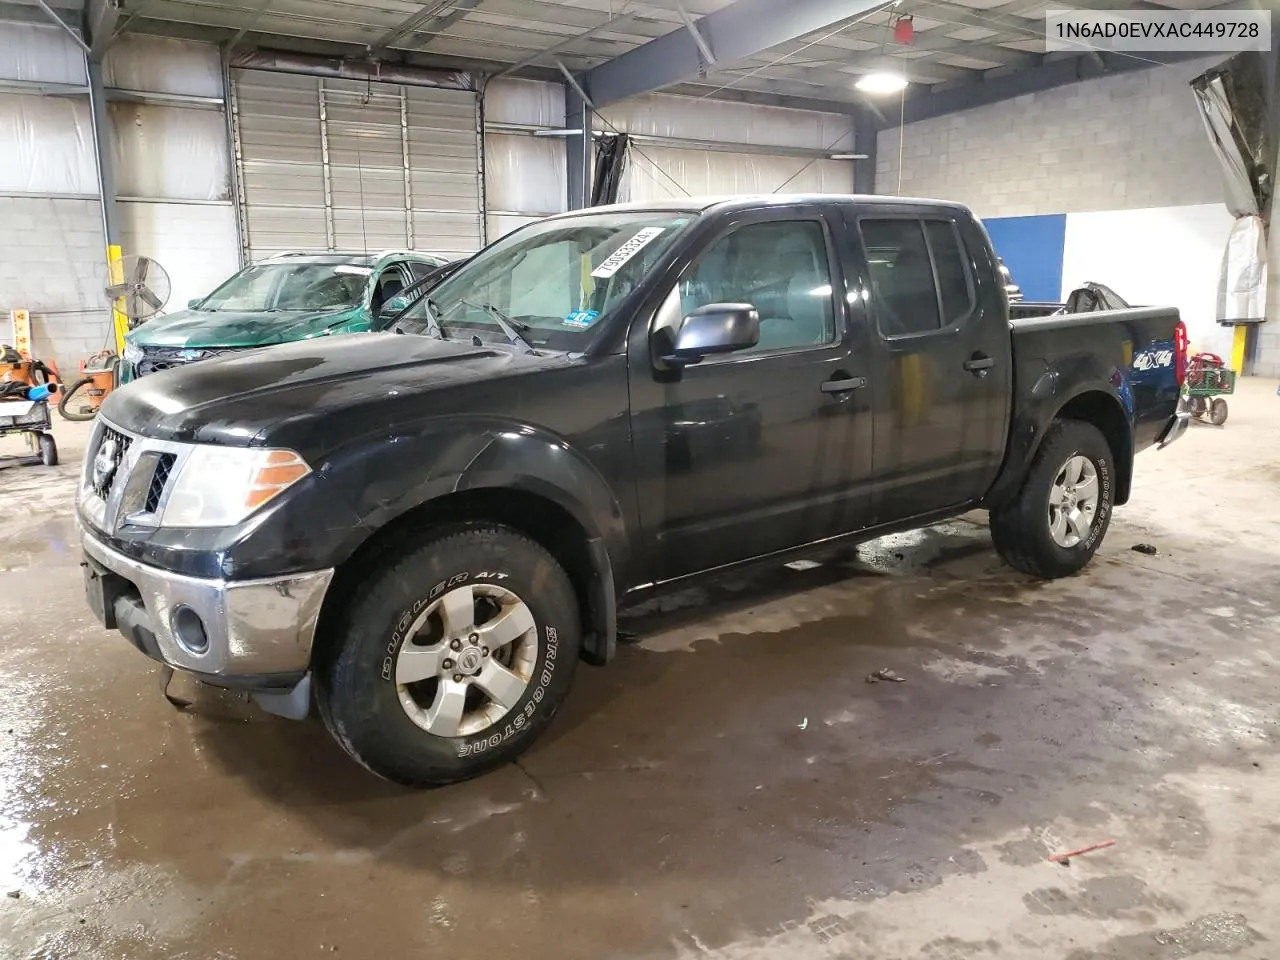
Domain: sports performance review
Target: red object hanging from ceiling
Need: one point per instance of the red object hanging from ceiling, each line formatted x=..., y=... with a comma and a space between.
x=903, y=30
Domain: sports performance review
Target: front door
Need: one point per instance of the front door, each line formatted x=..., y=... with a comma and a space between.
x=753, y=452
x=943, y=362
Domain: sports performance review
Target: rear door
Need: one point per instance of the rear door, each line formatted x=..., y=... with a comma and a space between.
x=752, y=452
x=943, y=361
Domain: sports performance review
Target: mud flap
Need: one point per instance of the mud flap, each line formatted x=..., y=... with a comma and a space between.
x=292, y=704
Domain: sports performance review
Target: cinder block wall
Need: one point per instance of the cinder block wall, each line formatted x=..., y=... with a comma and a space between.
x=1116, y=143
x=52, y=262
x=1126, y=142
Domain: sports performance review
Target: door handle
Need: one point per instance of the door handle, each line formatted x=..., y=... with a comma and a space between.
x=844, y=386
x=979, y=365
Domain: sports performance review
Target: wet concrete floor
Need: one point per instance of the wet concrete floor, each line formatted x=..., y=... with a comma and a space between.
x=731, y=787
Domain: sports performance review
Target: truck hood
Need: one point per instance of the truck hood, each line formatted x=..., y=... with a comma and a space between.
x=228, y=328
x=299, y=393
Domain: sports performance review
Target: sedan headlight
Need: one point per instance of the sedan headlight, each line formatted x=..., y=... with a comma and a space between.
x=132, y=353
x=220, y=486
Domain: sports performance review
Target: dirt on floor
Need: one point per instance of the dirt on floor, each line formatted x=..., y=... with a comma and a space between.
x=731, y=787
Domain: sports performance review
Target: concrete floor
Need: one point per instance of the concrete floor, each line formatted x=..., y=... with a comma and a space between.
x=731, y=787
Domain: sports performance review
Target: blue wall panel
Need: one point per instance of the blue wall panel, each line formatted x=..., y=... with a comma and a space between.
x=1031, y=248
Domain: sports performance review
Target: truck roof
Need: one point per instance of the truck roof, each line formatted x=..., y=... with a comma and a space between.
x=702, y=204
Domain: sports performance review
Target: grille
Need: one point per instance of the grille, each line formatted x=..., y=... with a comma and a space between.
x=155, y=359
x=114, y=445
x=164, y=467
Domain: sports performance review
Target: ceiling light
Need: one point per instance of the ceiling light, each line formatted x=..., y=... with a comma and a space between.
x=849, y=156
x=882, y=81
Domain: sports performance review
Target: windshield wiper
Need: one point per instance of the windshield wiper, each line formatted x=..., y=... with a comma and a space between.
x=509, y=326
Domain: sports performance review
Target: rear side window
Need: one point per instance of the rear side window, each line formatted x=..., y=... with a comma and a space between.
x=901, y=276
x=951, y=262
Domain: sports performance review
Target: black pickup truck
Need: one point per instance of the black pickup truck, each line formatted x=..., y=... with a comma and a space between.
x=428, y=528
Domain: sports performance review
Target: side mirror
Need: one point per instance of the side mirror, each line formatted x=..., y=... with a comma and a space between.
x=193, y=304
x=715, y=328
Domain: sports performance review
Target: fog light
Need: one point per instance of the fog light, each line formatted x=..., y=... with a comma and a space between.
x=188, y=630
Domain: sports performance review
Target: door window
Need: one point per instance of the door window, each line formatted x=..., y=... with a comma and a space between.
x=419, y=270
x=901, y=276
x=779, y=267
x=951, y=262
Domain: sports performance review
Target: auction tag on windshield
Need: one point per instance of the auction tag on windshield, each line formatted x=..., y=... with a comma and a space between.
x=616, y=260
x=582, y=318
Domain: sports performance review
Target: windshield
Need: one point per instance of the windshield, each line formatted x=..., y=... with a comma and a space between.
x=291, y=286
x=552, y=281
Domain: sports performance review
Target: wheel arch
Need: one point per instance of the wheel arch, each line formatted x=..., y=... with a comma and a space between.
x=1093, y=403
x=1104, y=411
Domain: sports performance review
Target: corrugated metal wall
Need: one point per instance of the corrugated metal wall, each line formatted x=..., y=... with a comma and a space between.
x=347, y=165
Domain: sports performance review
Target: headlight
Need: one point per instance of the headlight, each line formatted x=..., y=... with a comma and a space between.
x=132, y=352
x=220, y=486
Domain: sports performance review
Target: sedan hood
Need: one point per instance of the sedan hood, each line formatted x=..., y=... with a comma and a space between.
x=229, y=328
x=287, y=395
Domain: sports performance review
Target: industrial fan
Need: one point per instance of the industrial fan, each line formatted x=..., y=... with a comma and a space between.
x=145, y=288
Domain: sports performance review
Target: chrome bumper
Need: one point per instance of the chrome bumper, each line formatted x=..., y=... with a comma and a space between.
x=1175, y=428
x=255, y=628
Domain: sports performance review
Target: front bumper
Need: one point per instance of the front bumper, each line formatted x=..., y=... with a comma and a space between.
x=1175, y=428
x=258, y=633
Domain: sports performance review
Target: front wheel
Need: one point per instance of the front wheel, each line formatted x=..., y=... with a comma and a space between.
x=1218, y=412
x=1059, y=517
x=452, y=658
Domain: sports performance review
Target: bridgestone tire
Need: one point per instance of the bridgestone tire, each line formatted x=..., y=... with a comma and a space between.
x=355, y=668
x=1020, y=529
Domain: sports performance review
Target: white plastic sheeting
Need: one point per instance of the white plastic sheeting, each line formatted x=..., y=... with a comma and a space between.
x=500, y=224
x=159, y=65
x=525, y=174
x=41, y=53
x=48, y=145
x=1242, y=288
x=692, y=118
x=530, y=102
x=170, y=152
x=655, y=173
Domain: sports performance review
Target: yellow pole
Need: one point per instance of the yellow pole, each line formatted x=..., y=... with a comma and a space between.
x=1239, y=338
x=115, y=274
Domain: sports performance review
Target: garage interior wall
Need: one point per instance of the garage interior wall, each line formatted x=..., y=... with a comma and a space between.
x=525, y=176
x=349, y=165
x=772, y=136
x=52, y=254
x=172, y=162
x=1124, y=158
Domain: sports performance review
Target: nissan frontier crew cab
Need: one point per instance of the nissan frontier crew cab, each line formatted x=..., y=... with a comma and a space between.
x=427, y=528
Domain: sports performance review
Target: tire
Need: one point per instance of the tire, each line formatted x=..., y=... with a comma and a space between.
x=74, y=413
x=1197, y=406
x=1023, y=530
x=400, y=608
x=48, y=450
x=1218, y=411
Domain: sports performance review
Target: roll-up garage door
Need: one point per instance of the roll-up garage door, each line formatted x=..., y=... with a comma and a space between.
x=327, y=164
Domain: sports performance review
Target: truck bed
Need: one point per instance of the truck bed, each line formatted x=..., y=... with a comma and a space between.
x=1130, y=354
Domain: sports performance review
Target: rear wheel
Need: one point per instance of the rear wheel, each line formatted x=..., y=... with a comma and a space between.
x=1059, y=517
x=1218, y=412
x=77, y=403
x=452, y=658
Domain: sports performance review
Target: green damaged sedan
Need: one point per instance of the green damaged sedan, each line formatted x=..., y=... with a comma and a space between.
x=294, y=296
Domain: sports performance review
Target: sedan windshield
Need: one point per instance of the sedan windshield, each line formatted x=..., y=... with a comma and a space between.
x=551, y=282
x=291, y=286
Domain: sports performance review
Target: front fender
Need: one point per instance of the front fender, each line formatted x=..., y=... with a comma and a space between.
x=383, y=479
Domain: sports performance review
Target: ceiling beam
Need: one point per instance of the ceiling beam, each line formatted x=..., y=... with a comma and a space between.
x=1057, y=73
x=742, y=29
x=100, y=19
x=432, y=18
